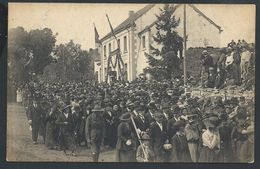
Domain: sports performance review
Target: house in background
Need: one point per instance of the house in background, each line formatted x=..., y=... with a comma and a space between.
x=135, y=35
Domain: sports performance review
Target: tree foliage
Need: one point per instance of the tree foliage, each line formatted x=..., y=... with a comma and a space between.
x=164, y=61
x=28, y=53
x=72, y=63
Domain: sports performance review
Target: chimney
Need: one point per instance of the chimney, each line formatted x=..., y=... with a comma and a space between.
x=130, y=13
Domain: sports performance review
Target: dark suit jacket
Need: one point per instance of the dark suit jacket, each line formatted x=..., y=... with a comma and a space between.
x=171, y=128
x=149, y=118
x=142, y=125
x=158, y=137
x=35, y=114
x=65, y=128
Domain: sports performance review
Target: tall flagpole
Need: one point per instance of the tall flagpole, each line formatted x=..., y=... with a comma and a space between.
x=185, y=47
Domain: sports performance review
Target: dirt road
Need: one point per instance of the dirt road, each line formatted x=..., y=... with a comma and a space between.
x=20, y=146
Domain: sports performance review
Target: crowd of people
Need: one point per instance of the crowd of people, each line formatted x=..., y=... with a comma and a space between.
x=234, y=66
x=144, y=121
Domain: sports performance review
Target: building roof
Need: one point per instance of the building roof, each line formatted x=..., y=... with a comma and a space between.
x=203, y=15
x=129, y=21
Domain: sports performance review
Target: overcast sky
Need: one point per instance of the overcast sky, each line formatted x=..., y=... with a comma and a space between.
x=75, y=21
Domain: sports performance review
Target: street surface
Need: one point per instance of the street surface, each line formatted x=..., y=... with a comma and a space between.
x=21, y=148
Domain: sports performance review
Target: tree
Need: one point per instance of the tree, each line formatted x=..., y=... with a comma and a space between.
x=17, y=56
x=72, y=63
x=164, y=61
x=41, y=43
x=28, y=53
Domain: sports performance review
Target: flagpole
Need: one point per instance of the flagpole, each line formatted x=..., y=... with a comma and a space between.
x=185, y=48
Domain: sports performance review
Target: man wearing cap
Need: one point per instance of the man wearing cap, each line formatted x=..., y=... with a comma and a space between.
x=95, y=130
x=158, y=134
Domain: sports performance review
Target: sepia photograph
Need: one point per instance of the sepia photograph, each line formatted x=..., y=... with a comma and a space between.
x=125, y=82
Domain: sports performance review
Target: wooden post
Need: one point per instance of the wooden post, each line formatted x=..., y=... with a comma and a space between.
x=185, y=46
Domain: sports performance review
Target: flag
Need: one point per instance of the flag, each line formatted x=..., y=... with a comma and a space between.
x=112, y=30
x=96, y=35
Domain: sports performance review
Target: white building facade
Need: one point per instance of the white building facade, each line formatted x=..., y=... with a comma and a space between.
x=135, y=35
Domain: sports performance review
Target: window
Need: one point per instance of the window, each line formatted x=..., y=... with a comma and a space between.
x=109, y=48
x=125, y=44
x=105, y=51
x=143, y=42
x=126, y=74
x=118, y=41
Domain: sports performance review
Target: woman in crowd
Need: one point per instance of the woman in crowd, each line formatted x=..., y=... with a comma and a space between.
x=211, y=141
x=126, y=144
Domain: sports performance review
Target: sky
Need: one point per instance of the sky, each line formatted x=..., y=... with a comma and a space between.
x=74, y=21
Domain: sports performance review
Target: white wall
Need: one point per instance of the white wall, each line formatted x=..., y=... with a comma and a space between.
x=201, y=33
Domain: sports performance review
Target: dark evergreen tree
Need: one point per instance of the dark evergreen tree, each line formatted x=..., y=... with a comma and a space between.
x=164, y=61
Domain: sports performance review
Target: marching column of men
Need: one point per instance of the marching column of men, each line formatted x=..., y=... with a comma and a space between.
x=145, y=128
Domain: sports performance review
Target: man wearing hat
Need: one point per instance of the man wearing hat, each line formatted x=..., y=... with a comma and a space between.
x=240, y=139
x=236, y=71
x=225, y=130
x=95, y=130
x=110, y=134
x=210, y=83
x=176, y=117
x=52, y=133
x=141, y=122
x=150, y=113
x=158, y=134
x=206, y=61
x=34, y=119
x=66, y=136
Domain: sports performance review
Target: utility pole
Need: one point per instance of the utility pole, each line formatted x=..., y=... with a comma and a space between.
x=185, y=47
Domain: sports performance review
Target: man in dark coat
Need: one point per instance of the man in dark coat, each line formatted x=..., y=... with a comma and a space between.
x=95, y=130
x=206, y=62
x=158, y=134
x=141, y=122
x=35, y=117
x=110, y=133
x=66, y=136
x=51, y=128
x=150, y=113
x=236, y=67
x=171, y=129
